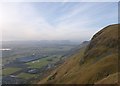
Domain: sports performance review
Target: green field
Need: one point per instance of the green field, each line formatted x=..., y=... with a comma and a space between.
x=26, y=75
x=59, y=48
x=9, y=70
x=9, y=59
x=42, y=62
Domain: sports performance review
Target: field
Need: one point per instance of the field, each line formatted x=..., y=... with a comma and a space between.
x=44, y=61
x=44, y=56
x=10, y=70
x=26, y=75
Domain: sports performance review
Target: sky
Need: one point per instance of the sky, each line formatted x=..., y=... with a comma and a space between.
x=77, y=21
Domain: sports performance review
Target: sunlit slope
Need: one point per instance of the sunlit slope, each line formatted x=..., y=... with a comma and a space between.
x=92, y=64
x=111, y=79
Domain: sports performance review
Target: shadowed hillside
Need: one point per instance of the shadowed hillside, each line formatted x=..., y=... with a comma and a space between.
x=96, y=63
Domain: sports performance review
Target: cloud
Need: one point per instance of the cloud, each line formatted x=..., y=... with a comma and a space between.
x=54, y=21
x=60, y=0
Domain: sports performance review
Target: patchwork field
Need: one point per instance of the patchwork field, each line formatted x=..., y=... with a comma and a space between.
x=27, y=60
x=10, y=70
x=26, y=75
x=44, y=61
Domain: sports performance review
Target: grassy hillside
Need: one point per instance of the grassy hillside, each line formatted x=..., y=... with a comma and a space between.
x=113, y=78
x=91, y=64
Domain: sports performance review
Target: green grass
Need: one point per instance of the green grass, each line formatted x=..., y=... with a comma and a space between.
x=26, y=75
x=8, y=71
x=42, y=62
x=59, y=48
x=39, y=64
x=9, y=59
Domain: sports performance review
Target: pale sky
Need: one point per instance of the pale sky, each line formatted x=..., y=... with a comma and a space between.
x=55, y=20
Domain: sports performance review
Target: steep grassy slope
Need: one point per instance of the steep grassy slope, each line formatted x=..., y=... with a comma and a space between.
x=113, y=78
x=92, y=64
x=103, y=43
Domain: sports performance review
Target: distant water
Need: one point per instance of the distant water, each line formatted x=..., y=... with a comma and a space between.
x=5, y=49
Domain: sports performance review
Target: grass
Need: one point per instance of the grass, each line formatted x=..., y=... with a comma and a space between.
x=71, y=72
x=63, y=70
x=39, y=64
x=111, y=79
x=9, y=59
x=62, y=48
x=42, y=62
x=26, y=75
x=8, y=71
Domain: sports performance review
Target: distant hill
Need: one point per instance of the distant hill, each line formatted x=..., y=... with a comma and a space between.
x=95, y=64
x=77, y=48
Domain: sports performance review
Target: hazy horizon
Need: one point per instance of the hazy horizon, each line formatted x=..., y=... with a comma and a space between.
x=44, y=41
x=77, y=21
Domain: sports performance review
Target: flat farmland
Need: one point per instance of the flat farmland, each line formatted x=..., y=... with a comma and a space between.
x=38, y=57
x=44, y=61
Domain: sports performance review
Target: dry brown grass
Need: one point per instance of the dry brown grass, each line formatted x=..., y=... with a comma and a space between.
x=111, y=79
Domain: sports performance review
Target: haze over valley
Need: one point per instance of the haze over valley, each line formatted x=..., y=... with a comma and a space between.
x=59, y=42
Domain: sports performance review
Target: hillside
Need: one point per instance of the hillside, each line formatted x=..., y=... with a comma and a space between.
x=113, y=78
x=94, y=64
